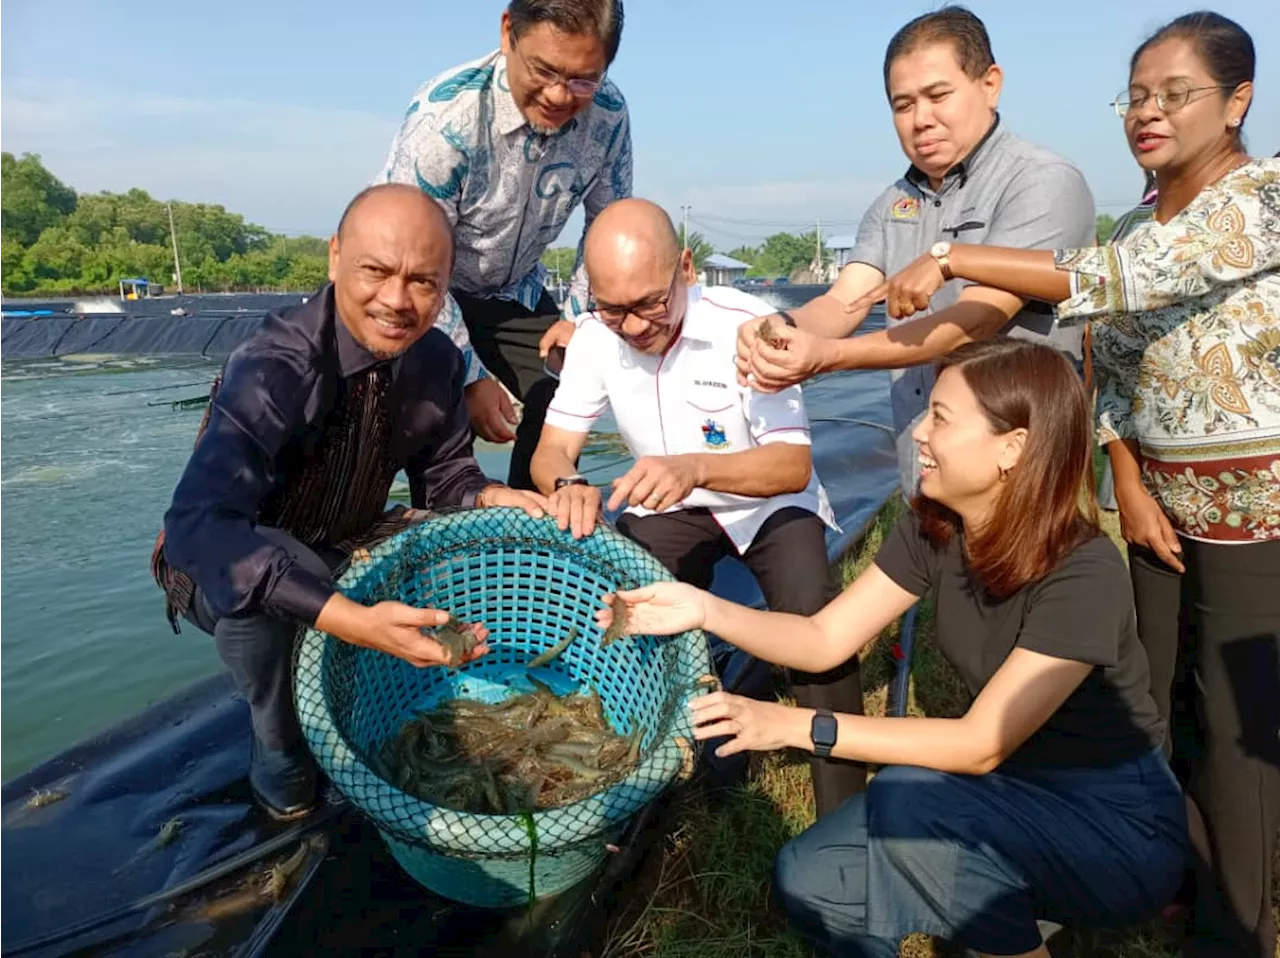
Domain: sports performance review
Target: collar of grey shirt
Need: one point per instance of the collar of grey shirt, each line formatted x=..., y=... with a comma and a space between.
x=960, y=171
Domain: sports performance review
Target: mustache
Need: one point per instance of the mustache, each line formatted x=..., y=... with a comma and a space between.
x=393, y=318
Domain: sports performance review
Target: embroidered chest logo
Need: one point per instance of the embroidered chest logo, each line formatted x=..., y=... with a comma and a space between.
x=907, y=208
x=713, y=436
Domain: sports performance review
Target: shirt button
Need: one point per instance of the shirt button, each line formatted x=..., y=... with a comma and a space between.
x=917, y=392
x=937, y=202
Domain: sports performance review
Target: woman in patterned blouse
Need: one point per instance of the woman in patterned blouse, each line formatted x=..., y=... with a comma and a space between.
x=1185, y=312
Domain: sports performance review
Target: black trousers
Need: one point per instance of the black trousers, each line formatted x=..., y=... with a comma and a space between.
x=505, y=336
x=789, y=559
x=1212, y=636
x=258, y=649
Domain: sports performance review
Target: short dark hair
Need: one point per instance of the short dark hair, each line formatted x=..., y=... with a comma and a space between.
x=955, y=25
x=601, y=17
x=1225, y=47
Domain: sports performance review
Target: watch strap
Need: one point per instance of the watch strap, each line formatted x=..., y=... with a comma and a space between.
x=944, y=263
x=822, y=732
x=787, y=318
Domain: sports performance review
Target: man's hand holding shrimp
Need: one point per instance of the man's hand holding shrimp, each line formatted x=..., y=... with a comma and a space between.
x=773, y=368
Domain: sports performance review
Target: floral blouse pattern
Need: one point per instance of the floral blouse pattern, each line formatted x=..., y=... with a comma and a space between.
x=1186, y=350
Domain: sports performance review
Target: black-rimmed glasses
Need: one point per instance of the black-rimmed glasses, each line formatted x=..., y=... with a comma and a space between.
x=654, y=312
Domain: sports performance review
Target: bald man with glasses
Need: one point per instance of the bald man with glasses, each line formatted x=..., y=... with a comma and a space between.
x=720, y=470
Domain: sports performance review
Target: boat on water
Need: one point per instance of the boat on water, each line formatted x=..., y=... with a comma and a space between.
x=144, y=839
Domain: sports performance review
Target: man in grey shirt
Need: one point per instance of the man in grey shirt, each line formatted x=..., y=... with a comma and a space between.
x=970, y=181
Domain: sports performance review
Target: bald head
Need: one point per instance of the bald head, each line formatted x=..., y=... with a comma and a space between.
x=635, y=263
x=396, y=199
x=390, y=263
x=629, y=233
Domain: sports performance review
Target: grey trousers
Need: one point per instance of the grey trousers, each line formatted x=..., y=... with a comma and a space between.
x=258, y=649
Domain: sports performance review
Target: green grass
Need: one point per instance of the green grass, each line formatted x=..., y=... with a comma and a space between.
x=706, y=895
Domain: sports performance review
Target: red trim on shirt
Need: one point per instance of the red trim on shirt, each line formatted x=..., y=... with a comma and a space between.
x=575, y=415
x=657, y=390
x=769, y=432
x=732, y=309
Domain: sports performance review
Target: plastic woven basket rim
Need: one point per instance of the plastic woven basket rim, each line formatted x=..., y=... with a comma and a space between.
x=452, y=831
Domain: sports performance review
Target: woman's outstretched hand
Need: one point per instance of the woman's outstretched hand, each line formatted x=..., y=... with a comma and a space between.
x=751, y=725
x=664, y=608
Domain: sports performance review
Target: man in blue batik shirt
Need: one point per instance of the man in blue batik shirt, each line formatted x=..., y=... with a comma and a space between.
x=510, y=145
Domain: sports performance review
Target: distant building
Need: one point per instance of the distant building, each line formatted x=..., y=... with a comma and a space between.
x=841, y=248
x=721, y=270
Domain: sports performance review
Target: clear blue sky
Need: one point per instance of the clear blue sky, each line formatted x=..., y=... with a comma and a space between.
x=759, y=115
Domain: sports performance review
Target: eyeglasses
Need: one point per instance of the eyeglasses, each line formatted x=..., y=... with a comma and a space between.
x=614, y=316
x=545, y=77
x=1169, y=100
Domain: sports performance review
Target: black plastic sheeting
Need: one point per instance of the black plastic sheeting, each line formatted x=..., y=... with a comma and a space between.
x=115, y=334
x=85, y=874
x=215, y=326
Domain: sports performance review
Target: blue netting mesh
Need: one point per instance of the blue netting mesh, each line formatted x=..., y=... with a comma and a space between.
x=529, y=583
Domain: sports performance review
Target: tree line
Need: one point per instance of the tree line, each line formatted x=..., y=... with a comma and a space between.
x=781, y=254
x=778, y=255
x=55, y=241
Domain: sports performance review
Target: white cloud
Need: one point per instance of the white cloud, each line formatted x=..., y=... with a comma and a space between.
x=286, y=166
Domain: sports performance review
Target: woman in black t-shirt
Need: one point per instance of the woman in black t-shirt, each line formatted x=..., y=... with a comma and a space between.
x=1050, y=798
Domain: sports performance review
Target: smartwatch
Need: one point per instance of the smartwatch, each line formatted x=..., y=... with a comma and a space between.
x=574, y=480
x=822, y=732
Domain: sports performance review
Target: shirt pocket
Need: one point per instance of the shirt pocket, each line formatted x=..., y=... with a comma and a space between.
x=714, y=421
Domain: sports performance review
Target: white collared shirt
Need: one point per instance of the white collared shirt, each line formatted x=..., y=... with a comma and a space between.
x=688, y=401
x=507, y=189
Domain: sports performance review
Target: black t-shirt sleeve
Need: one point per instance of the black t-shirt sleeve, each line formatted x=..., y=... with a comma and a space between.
x=907, y=557
x=1079, y=611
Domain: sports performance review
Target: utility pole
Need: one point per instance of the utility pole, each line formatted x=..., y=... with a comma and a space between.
x=177, y=266
x=685, y=238
x=817, y=262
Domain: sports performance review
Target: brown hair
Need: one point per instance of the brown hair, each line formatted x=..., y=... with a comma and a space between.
x=1046, y=507
x=954, y=25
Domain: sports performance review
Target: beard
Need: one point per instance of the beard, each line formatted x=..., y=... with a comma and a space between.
x=541, y=130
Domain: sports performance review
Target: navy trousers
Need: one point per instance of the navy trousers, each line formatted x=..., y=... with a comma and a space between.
x=978, y=859
x=258, y=649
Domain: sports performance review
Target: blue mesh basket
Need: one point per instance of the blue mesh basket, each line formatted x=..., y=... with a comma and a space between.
x=529, y=583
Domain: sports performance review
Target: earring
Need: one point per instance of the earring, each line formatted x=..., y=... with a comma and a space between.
x=1235, y=123
x=1004, y=473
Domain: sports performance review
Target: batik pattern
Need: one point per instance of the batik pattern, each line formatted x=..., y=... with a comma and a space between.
x=1186, y=352
x=509, y=190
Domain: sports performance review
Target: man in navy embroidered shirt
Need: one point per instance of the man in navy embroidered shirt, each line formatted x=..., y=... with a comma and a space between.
x=314, y=416
x=510, y=144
